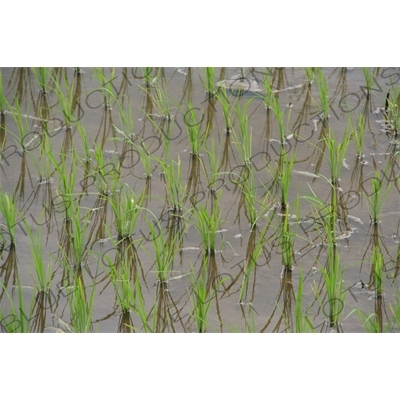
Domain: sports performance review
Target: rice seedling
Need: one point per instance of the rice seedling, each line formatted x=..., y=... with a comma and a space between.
x=392, y=113
x=174, y=188
x=358, y=135
x=337, y=154
x=209, y=80
x=377, y=268
x=149, y=81
x=81, y=307
x=67, y=177
x=207, y=224
x=8, y=210
x=126, y=118
x=21, y=123
x=302, y=321
x=66, y=101
x=85, y=144
x=164, y=250
x=369, y=322
x=323, y=93
x=124, y=284
x=107, y=86
x=253, y=207
x=280, y=117
x=269, y=95
x=249, y=264
x=16, y=320
x=106, y=174
x=41, y=75
x=376, y=197
x=285, y=177
x=201, y=298
x=193, y=128
x=211, y=169
x=243, y=136
x=286, y=243
x=333, y=274
x=78, y=227
x=309, y=75
x=162, y=102
x=369, y=79
x=43, y=164
x=226, y=108
x=126, y=206
x=140, y=309
x=250, y=192
x=43, y=274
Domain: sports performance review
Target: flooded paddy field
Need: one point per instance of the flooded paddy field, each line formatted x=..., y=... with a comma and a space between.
x=199, y=199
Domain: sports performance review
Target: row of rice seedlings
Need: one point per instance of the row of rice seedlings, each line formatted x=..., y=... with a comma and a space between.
x=207, y=224
x=126, y=206
x=8, y=210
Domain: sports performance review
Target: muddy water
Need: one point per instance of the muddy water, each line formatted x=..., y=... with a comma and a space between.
x=269, y=301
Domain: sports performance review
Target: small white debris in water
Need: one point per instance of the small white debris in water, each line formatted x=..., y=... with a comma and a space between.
x=238, y=235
